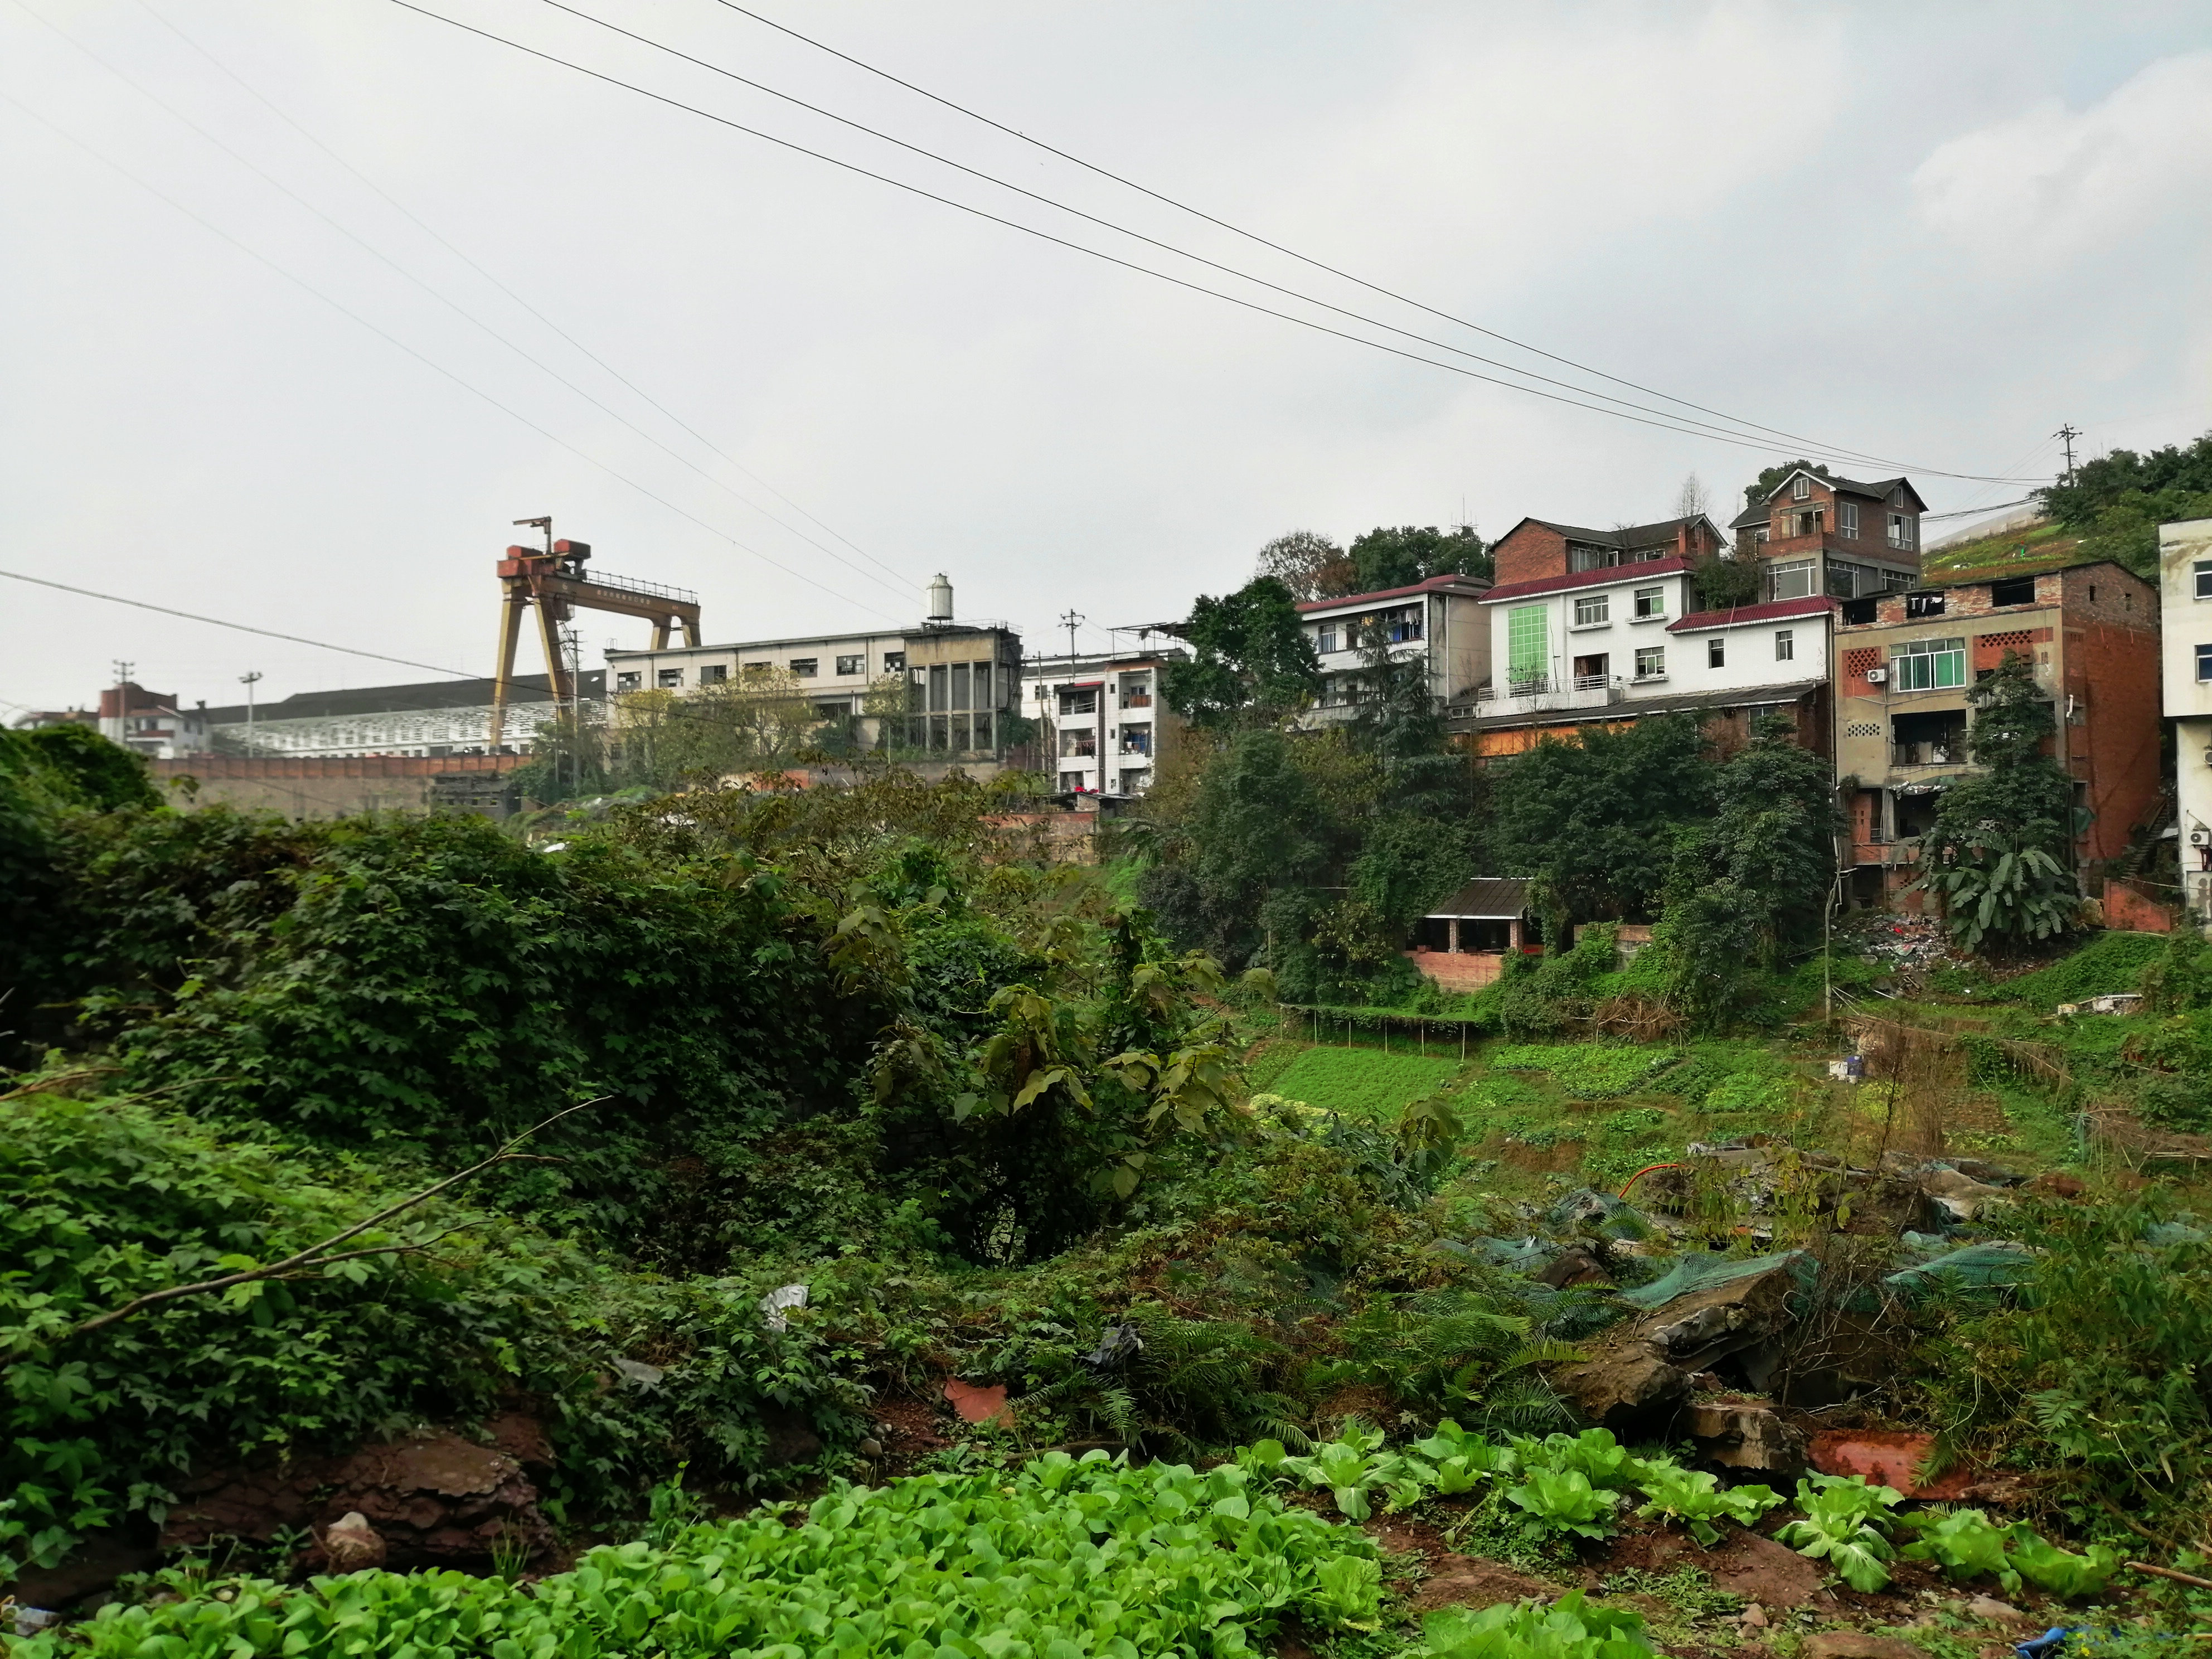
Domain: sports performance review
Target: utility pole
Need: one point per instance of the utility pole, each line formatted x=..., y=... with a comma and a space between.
x=123, y=670
x=249, y=680
x=2067, y=433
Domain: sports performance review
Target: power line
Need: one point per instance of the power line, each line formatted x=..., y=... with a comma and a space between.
x=391, y=339
x=1373, y=287
x=243, y=628
x=429, y=230
x=1855, y=456
x=451, y=304
x=1666, y=425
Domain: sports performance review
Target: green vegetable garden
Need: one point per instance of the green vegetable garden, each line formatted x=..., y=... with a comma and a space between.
x=789, y=1221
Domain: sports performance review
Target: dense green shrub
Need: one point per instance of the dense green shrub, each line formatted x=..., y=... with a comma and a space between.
x=104, y=1201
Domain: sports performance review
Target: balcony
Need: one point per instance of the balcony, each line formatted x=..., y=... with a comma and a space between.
x=1544, y=696
x=1137, y=700
x=1928, y=754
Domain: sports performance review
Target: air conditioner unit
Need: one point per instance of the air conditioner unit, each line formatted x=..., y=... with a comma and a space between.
x=1877, y=676
x=2200, y=837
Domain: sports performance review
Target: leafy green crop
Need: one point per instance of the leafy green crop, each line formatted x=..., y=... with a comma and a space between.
x=1844, y=1523
x=1348, y=1468
x=1594, y=1454
x=1457, y=1462
x=2061, y=1572
x=1065, y=1559
x=1965, y=1543
x=1694, y=1498
x=1586, y=1071
x=1563, y=1500
x=1568, y=1629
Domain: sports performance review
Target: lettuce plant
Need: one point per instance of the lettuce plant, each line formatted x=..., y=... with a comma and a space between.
x=1694, y=1499
x=1844, y=1523
x=1564, y=1501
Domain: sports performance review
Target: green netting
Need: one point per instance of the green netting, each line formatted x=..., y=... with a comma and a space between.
x=1976, y=1267
x=1702, y=1271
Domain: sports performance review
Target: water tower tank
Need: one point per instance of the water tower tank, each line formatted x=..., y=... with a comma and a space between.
x=940, y=599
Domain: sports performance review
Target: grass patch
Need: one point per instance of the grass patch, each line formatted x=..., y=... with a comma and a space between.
x=2110, y=961
x=1586, y=1071
x=1363, y=1082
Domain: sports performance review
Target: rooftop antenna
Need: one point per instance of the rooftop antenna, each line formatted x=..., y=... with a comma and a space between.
x=123, y=670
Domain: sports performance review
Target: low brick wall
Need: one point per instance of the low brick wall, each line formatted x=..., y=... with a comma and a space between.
x=2133, y=911
x=1462, y=970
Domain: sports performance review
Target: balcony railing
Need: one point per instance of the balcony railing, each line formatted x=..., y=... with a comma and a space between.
x=1542, y=695
x=1928, y=754
x=1137, y=700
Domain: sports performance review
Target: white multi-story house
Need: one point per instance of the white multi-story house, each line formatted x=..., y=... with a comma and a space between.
x=1439, y=622
x=1608, y=644
x=1102, y=727
x=2185, y=572
x=150, y=723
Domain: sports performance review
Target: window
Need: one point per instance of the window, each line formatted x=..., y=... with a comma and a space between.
x=1785, y=645
x=668, y=679
x=961, y=677
x=2204, y=579
x=1897, y=497
x=1717, y=652
x=1650, y=602
x=1923, y=605
x=806, y=667
x=1928, y=664
x=1847, y=520
x=2093, y=593
x=1900, y=530
x=1791, y=579
x=627, y=679
x=894, y=662
x=1136, y=690
x=1327, y=641
x=1591, y=672
x=1400, y=626
x=1082, y=701
x=1759, y=536
x=1581, y=555
x=1592, y=609
x=2021, y=590
x=1801, y=489
x=1071, y=782
x=759, y=667
x=1136, y=740
x=1135, y=780
x=713, y=673
x=1838, y=581
x=982, y=682
x=1652, y=663
x=2204, y=662
x=856, y=664
x=1079, y=740
x=1529, y=644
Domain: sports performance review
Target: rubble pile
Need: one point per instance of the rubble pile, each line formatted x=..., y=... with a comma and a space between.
x=1726, y=1348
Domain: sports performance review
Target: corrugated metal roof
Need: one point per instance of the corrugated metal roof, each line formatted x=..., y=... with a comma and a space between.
x=1772, y=610
x=1487, y=898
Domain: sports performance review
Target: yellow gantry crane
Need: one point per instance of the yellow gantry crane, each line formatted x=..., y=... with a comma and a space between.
x=554, y=580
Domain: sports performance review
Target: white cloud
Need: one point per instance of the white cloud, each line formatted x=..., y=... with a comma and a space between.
x=2056, y=181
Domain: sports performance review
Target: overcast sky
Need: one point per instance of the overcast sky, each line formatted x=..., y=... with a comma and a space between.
x=1928, y=233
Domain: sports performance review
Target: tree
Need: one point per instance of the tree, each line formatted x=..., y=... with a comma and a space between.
x=2080, y=499
x=1691, y=502
x=1385, y=557
x=1997, y=858
x=1723, y=582
x=1770, y=842
x=1307, y=563
x=1251, y=662
x=1593, y=818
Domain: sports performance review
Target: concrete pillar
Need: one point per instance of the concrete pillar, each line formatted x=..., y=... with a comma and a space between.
x=1513, y=934
x=1451, y=941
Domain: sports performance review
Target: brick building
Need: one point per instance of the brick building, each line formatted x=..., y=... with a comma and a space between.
x=1815, y=534
x=1537, y=548
x=1904, y=661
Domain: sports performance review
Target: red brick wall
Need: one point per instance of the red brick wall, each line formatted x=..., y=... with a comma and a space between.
x=2132, y=912
x=1529, y=552
x=1989, y=649
x=2113, y=673
x=1462, y=970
